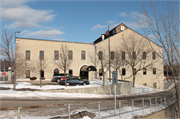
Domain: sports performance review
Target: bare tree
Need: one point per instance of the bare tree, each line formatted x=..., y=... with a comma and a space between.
x=163, y=24
x=104, y=62
x=138, y=53
x=65, y=60
x=9, y=50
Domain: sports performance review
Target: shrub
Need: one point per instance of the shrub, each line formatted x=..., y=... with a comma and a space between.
x=33, y=78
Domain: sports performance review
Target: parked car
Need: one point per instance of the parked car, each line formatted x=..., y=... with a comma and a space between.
x=74, y=81
x=57, y=77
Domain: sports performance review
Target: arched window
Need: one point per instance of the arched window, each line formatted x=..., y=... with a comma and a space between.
x=144, y=71
x=112, y=55
x=100, y=54
x=41, y=56
x=83, y=55
x=27, y=73
x=27, y=55
x=154, y=70
x=144, y=55
x=70, y=54
x=56, y=55
x=56, y=71
x=123, y=55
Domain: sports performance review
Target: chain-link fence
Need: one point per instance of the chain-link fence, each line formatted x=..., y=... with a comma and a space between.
x=124, y=109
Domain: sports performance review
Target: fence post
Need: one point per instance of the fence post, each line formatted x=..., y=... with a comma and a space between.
x=150, y=105
x=143, y=106
x=99, y=110
x=133, y=108
x=69, y=110
x=120, y=109
x=19, y=112
x=156, y=104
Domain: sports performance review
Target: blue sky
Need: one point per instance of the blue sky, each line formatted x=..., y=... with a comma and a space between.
x=76, y=21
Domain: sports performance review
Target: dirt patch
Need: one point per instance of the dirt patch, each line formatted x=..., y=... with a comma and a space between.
x=77, y=115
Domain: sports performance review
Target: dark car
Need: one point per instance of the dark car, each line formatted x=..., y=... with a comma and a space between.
x=57, y=77
x=74, y=81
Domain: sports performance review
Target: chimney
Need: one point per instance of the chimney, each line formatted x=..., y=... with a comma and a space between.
x=102, y=36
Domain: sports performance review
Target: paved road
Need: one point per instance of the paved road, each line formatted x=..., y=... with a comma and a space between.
x=23, y=103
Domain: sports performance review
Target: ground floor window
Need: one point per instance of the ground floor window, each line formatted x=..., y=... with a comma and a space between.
x=42, y=73
x=27, y=73
x=71, y=71
x=100, y=72
x=123, y=71
x=145, y=84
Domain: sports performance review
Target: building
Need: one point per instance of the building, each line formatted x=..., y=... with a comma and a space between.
x=87, y=57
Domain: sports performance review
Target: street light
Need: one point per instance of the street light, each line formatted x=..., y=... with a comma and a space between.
x=15, y=62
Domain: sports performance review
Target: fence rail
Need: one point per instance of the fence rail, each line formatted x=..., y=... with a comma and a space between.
x=102, y=109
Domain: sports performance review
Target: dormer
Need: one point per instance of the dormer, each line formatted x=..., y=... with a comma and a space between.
x=120, y=28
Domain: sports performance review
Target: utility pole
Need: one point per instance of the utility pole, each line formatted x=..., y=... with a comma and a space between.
x=109, y=56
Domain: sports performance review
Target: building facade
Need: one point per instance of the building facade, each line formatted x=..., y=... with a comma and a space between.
x=37, y=57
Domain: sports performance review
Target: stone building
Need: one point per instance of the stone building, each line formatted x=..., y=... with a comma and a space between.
x=86, y=58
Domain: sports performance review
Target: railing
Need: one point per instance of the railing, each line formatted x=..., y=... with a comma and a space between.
x=103, y=109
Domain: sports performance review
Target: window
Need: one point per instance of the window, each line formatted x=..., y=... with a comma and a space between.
x=144, y=55
x=71, y=71
x=100, y=72
x=155, y=85
x=134, y=55
x=122, y=28
x=154, y=70
x=41, y=56
x=100, y=55
x=27, y=73
x=123, y=55
x=83, y=55
x=153, y=55
x=42, y=73
x=27, y=55
x=56, y=55
x=144, y=71
x=112, y=55
x=123, y=71
x=134, y=71
x=70, y=54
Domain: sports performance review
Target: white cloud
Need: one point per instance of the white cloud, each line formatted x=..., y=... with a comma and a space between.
x=123, y=14
x=13, y=3
x=98, y=26
x=42, y=33
x=135, y=14
x=23, y=16
x=111, y=22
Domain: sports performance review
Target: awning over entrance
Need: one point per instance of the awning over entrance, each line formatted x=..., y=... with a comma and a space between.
x=88, y=68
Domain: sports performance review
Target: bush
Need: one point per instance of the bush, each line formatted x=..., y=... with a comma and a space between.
x=33, y=78
x=42, y=78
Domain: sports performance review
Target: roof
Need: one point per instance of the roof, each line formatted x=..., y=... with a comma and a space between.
x=53, y=40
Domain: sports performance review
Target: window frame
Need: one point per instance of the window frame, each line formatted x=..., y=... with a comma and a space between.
x=28, y=58
x=100, y=54
x=144, y=71
x=154, y=55
x=56, y=55
x=40, y=53
x=70, y=55
x=83, y=55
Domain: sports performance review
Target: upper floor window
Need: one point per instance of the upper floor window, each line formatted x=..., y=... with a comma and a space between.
x=41, y=56
x=154, y=70
x=70, y=54
x=123, y=55
x=144, y=55
x=27, y=55
x=56, y=55
x=100, y=54
x=153, y=55
x=134, y=55
x=112, y=55
x=83, y=55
